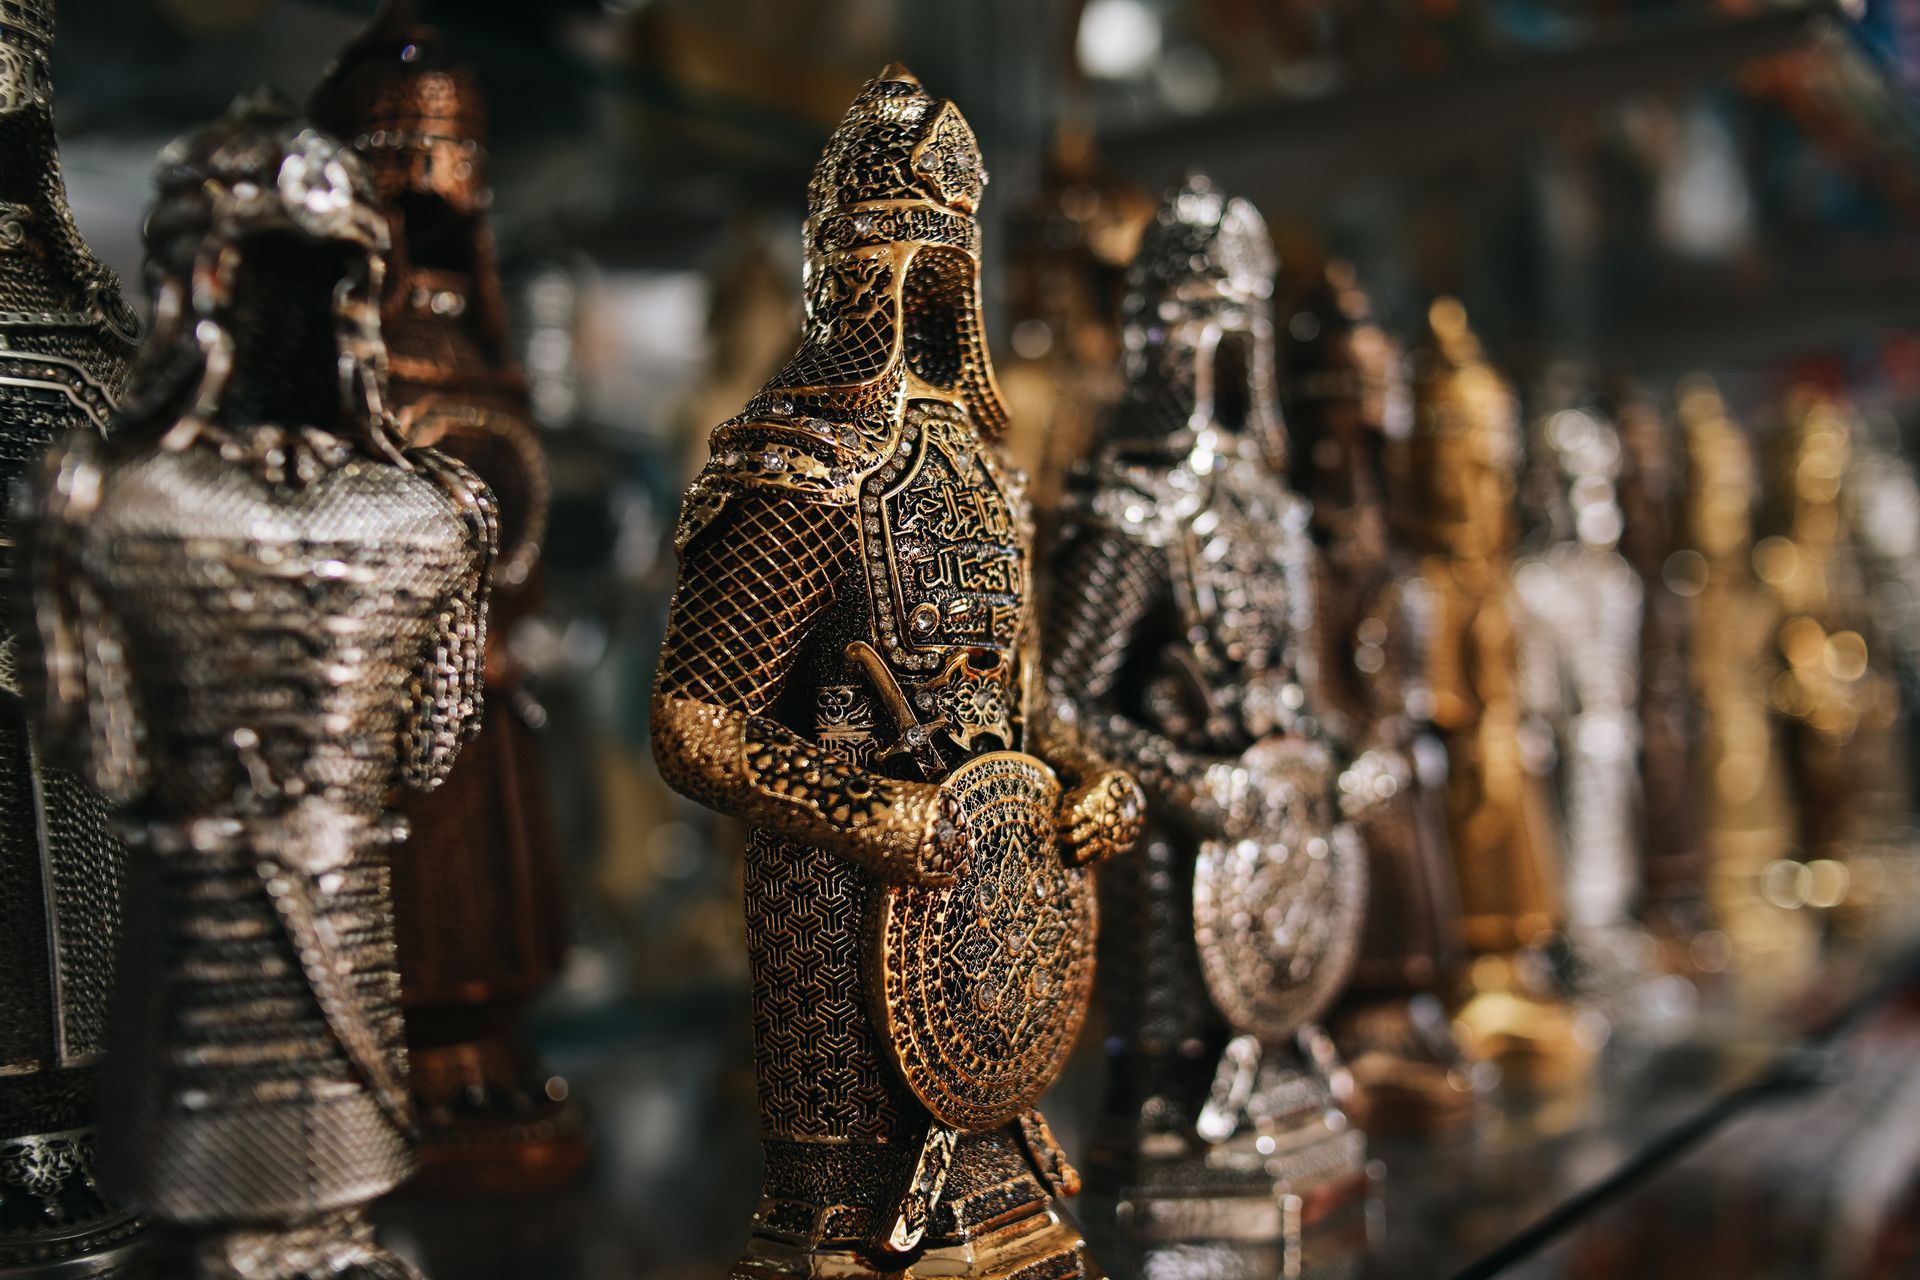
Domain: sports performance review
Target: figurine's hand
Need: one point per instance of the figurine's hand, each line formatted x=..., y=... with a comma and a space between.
x=1100, y=818
x=1230, y=799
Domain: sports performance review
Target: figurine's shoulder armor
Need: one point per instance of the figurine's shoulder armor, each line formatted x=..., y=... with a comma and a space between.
x=777, y=446
x=1148, y=504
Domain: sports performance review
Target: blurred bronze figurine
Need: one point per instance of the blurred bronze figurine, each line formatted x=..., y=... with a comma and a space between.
x=1749, y=807
x=846, y=668
x=1181, y=609
x=1458, y=470
x=477, y=886
x=259, y=613
x=1673, y=777
x=1066, y=272
x=1347, y=401
x=65, y=339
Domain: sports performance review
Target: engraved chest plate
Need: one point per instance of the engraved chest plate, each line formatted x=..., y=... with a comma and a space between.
x=946, y=536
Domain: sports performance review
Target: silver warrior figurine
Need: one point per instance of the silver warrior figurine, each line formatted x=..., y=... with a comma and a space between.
x=66, y=337
x=259, y=614
x=1181, y=601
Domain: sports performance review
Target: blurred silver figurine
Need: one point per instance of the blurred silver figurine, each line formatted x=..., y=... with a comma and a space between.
x=1578, y=627
x=66, y=337
x=259, y=613
x=1182, y=603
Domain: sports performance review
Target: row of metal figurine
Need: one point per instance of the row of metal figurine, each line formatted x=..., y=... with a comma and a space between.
x=260, y=584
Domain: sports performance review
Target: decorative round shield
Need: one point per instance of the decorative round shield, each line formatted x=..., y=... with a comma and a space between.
x=982, y=987
x=1277, y=918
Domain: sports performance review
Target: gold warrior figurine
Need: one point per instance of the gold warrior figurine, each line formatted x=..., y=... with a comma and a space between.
x=65, y=339
x=1180, y=614
x=1835, y=695
x=1458, y=470
x=259, y=613
x=477, y=886
x=1347, y=402
x=847, y=668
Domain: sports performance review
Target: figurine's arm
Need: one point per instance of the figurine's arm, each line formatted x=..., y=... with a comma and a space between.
x=752, y=582
x=74, y=660
x=446, y=692
x=1104, y=583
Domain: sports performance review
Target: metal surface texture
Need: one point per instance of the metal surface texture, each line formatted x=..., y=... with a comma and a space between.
x=478, y=886
x=1348, y=404
x=258, y=612
x=66, y=337
x=846, y=668
x=1181, y=610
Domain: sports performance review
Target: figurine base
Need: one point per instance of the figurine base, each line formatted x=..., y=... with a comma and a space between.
x=340, y=1246
x=501, y=1159
x=490, y=1127
x=1538, y=1042
x=1255, y=1189
x=1039, y=1246
x=1410, y=1075
x=102, y=1253
x=57, y=1225
x=1335, y=1248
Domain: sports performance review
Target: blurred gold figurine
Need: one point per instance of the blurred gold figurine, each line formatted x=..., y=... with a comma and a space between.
x=478, y=886
x=66, y=337
x=1459, y=471
x=1348, y=400
x=846, y=668
x=1835, y=694
x=1752, y=890
x=1180, y=615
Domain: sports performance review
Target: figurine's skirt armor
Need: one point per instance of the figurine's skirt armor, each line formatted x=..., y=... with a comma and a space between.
x=258, y=1106
x=271, y=633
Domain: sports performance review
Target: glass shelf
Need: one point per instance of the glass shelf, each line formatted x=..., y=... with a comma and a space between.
x=676, y=1173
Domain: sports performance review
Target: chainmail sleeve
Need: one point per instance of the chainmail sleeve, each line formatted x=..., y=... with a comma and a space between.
x=753, y=581
x=1104, y=584
x=448, y=691
x=75, y=663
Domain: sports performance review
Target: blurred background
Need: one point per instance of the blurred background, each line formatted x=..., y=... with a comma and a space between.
x=1647, y=189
